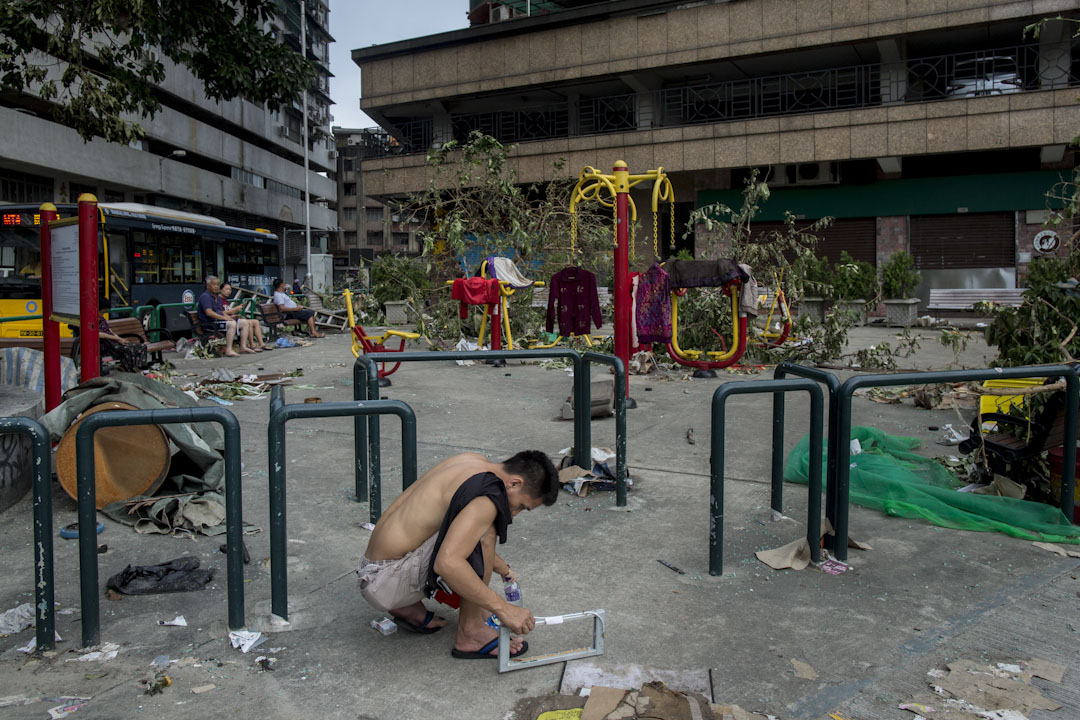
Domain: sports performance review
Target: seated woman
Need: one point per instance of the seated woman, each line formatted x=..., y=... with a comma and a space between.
x=289, y=308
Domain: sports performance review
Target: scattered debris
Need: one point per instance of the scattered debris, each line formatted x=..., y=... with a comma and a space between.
x=803, y=670
x=949, y=436
x=983, y=689
x=385, y=625
x=156, y=685
x=177, y=621
x=367, y=525
x=1057, y=550
x=32, y=645
x=103, y=652
x=179, y=575
x=1045, y=669
x=68, y=705
x=666, y=564
x=203, y=688
x=580, y=481
x=265, y=664
x=161, y=661
x=834, y=567
x=224, y=549
x=690, y=436
x=17, y=619
x=246, y=639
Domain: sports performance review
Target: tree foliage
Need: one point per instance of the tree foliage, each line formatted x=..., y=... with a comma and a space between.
x=88, y=59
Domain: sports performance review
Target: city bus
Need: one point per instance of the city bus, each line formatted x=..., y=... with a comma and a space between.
x=154, y=256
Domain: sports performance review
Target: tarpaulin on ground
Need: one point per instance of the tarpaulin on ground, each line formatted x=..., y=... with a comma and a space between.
x=196, y=483
x=887, y=476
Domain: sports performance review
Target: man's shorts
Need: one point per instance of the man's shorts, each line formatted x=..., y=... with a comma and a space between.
x=300, y=314
x=389, y=584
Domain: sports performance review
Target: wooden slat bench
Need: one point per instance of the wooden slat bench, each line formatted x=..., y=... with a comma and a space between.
x=273, y=317
x=964, y=299
x=130, y=327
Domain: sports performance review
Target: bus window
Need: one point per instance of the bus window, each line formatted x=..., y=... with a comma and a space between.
x=171, y=259
x=145, y=256
x=193, y=260
x=270, y=255
x=118, y=260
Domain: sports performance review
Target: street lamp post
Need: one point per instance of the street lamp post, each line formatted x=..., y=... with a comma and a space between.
x=161, y=163
x=307, y=178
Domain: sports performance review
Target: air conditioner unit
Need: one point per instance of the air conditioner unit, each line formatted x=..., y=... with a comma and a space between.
x=151, y=55
x=286, y=132
x=332, y=154
x=500, y=13
x=811, y=173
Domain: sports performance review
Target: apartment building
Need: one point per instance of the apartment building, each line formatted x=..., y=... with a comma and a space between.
x=935, y=126
x=237, y=161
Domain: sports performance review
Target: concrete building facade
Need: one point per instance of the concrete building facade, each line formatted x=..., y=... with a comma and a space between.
x=935, y=126
x=237, y=161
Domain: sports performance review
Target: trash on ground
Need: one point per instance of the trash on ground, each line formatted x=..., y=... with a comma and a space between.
x=246, y=639
x=178, y=621
x=103, y=652
x=16, y=619
x=161, y=661
x=224, y=549
x=796, y=554
x=1057, y=549
x=367, y=526
x=179, y=575
x=68, y=705
x=803, y=670
x=666, y=564
x=32, y=645
x=834, y=567
x=982, y=689
x=580, y=481
x=1052, y=671
x=915, y=707
x=950, y=436
x=265, y=664
x=157, y=684
x=385, y=625
x=203, y=688
x=1002, y=486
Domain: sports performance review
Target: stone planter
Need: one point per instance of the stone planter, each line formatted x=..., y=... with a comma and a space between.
x=858, y=307
x=902, y=313
x=399, y=312
x=813, y=307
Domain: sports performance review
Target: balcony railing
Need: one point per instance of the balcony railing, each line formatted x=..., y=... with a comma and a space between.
x=1000, y=71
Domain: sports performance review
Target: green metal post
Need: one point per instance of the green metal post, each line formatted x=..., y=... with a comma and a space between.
x=717, y=432
x=620, y=418
x=843, y=440
x=360, y=427
x=44, y=607
x=84, y=463
x=277, y=463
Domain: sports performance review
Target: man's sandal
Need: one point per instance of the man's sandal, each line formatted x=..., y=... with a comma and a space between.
x=422, y=628
x=484, y=653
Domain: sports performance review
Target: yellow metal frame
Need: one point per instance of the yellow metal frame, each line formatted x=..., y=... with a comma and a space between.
x=357, y=348
x=589, y=339
x=713, y=355
x=591, y=182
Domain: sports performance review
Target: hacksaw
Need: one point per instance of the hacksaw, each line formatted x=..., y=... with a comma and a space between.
x=506, y=663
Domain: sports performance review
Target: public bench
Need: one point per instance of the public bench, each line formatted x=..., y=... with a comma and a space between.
x=964, y=299
x=130, y=327
x=273, y=317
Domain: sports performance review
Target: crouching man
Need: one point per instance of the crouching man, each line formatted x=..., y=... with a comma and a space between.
x=440, y=534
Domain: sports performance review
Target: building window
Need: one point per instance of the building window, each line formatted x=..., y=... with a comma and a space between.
x=350, y=189
x=350, y=238
x=375, y=239
x=349, y=213
x=78, y=189
x=399, y=238
x=374, y=215
x=17, y=187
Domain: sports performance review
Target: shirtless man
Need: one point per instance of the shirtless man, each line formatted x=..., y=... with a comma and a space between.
x=440, y=534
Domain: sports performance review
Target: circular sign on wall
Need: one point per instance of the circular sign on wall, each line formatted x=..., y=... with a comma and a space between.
x=31, y=307
x=187, y=297
x=1046, y=241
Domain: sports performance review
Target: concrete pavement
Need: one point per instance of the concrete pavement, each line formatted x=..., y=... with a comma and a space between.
x=922, y=596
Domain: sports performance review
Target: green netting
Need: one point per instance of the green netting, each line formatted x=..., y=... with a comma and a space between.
x=886, y=476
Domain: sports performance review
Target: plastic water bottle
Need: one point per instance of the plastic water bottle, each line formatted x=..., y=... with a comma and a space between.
x=513, y=593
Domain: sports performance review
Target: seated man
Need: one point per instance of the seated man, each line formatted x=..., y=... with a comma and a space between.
x=289, y=308
x=254, y=327
x=440, y=534
x=212, y=317
x=130, y=353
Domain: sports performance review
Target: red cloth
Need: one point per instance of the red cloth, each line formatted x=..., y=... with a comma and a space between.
x=475, y=291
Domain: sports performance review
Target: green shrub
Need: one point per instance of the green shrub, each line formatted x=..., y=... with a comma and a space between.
x=397, y=277
x=854, y=279
x=899, y=276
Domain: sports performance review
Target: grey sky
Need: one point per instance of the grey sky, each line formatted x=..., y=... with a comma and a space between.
x=360, y=23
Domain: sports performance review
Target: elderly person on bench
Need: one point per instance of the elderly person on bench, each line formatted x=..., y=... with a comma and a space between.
x=290, y=309
x=254, y=327
x=212, y=318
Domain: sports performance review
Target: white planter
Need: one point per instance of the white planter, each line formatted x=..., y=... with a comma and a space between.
x=858, y=307
x=398, y=312
x=902, y=313
x=813, y=307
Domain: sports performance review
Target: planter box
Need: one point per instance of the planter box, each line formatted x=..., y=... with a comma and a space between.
x=854, y=306
x=813, y=307
x=902, y=313
x=398, y=312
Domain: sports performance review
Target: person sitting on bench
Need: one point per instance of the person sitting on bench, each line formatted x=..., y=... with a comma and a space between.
x=212, y=318
x=254, y=327
x=440, y=534
x=289, y=308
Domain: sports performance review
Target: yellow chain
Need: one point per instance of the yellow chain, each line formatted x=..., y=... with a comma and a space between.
x=655, y=235
x=672, y=225
x=614, y=223
x=633, y=235
x=573, y=234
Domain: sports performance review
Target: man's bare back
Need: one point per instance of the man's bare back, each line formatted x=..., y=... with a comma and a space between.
x=418, y=513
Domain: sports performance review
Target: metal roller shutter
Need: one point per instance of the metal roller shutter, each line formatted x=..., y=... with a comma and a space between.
x=978, y=240
x=858, y=236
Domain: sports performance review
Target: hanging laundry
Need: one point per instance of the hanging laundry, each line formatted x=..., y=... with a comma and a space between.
x=703, y=273
x=475, y=291
x=574, y=300
x=505, y=270
x=654, y=306
x=748, y=294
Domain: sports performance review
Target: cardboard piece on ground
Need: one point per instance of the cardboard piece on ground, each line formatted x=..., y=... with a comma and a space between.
x=851, y=541
x=601, y=702
x=1057, y=549
x=794, y=555
x=1047, y=670
x=803, y=670
x=979, y=685
x=734, y=712
x=532, y=708
x=1003, y=487
x=570, y=473
x=657, y=701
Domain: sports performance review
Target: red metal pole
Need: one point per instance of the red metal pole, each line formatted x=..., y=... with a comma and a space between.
x=622, y=268
x=88, y=286
x=50, y=329
x=496, y=326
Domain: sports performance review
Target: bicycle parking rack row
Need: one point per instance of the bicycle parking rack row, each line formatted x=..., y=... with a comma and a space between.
x=838, y=460
x=367, y=450
x=280, y=413
x=44, y=619
x=716, y=460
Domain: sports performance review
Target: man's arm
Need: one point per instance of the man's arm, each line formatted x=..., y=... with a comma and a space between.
x=502, y=568
x=452, y=564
